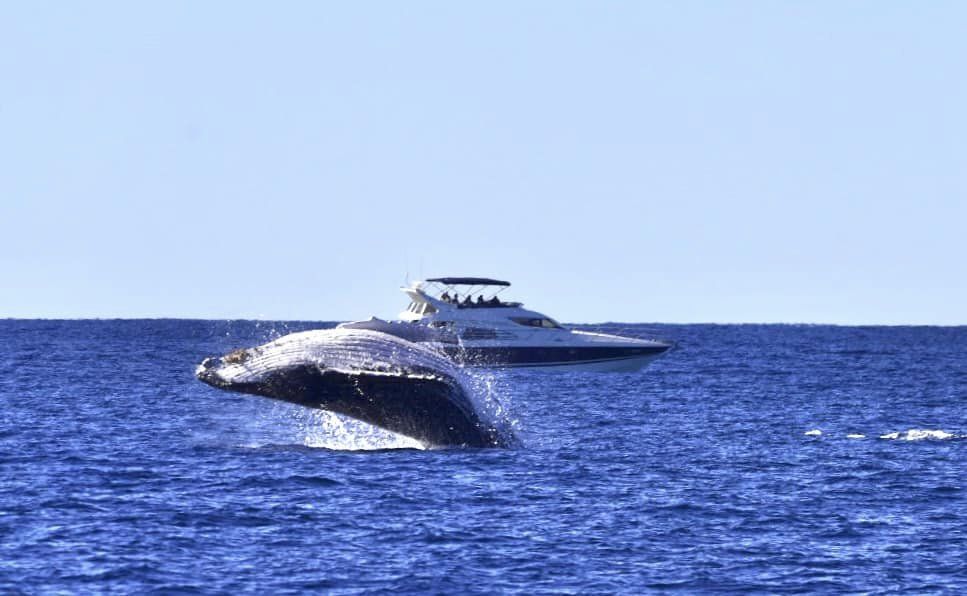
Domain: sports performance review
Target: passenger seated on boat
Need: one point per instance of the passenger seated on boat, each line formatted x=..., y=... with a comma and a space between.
x=466, y=301
x=495, y=301
x=480, y=300
x=445, y=297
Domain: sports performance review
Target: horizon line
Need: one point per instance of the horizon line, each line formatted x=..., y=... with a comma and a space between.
x=267, y=320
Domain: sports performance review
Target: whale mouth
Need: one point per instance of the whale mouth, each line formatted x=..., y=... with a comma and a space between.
x=208, y=372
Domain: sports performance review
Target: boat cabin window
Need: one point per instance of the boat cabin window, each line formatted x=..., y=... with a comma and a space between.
x=478, y=333
x=543, y=323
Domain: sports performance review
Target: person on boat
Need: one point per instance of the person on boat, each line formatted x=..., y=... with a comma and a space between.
x=445, y=297
x=495, y=301
x=467, y=301
x=480, y=300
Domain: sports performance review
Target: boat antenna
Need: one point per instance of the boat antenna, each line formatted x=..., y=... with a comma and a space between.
x=406, y=267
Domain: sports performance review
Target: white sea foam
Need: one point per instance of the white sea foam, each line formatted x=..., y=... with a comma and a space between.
x=914, y=434
x=919, y=434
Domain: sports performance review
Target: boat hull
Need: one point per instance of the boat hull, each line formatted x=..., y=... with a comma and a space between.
x=589, y=359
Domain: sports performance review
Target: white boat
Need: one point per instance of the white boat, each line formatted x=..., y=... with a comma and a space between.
x=464, y=318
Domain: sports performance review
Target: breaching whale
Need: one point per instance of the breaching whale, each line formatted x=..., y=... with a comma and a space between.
x=374, y=377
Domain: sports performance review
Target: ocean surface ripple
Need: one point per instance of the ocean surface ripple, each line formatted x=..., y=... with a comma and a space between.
x=753, y=458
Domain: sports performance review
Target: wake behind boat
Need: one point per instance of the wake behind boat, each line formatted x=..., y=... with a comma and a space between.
x=464, y=318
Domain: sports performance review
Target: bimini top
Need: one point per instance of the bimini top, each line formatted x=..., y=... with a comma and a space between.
x=470, y=281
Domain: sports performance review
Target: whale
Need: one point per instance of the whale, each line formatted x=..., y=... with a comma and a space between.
x=374, y=377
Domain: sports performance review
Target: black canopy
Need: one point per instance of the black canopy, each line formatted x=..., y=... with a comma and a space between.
x=470, y=281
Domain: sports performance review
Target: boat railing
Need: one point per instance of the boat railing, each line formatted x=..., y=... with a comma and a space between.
x=625, y=330
x=487, y=305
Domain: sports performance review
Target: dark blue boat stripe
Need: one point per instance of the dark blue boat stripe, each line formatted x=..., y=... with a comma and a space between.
x=573, y=362
x=548, y=356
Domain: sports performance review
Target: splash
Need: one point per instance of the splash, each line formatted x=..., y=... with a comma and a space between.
x=493, y=396
x=285, y=425
x=326, y=430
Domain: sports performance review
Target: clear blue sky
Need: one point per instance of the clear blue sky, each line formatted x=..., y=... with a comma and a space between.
x=635, y=161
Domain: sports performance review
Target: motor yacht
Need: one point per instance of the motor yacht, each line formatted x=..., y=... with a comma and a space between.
x=465, y=318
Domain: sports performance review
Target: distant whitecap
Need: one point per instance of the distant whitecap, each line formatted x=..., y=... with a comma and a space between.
x=919, y=434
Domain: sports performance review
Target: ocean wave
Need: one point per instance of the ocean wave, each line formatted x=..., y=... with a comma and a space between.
x=913, y=434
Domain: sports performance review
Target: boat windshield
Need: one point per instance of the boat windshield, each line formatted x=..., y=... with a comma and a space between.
x=421, y=308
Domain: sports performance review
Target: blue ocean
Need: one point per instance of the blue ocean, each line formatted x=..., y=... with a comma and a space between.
x=752, y=458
